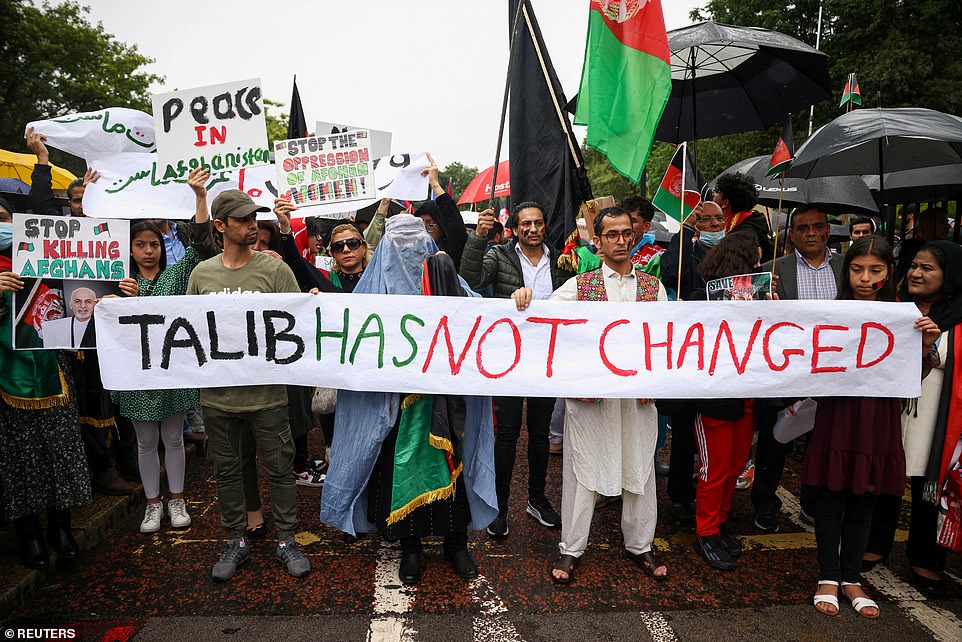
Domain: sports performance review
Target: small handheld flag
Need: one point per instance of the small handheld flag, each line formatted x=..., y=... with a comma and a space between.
x=681, y=172
x=851, y=93
x=25, y=247
x=100, y=229
x=784, y=152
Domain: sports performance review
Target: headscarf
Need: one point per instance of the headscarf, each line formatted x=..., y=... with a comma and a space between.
x=364, y=419
x=947, y=311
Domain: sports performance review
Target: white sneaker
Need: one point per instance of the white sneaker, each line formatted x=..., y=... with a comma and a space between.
x=178, y=513
x=152, y=517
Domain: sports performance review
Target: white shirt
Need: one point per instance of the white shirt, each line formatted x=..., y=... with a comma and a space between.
x=536, y=277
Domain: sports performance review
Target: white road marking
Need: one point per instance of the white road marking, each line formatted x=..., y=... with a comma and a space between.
x=493, y=624
x=658, y=627
x=391, y=601
x=943, y=624
x=792, y=506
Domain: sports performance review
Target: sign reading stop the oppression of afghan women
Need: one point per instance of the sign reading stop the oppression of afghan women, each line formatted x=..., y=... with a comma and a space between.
x=478, y=346
x=220, y=126
x=75, y=248
x=333, y=168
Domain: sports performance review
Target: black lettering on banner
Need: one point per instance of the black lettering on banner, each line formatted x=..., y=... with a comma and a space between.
x=215, y=352
x=31, y=231
x=219, y=110
x=272, y=337
x=251, y=101
x=190, y=342
x=143, y=320
x=198, y=109
x=251, y=335
x=172, y=109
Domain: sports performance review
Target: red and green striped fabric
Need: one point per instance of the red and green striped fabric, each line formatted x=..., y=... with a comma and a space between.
x=625, y=81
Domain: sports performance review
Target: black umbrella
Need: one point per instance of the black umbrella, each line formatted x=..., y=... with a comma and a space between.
x=943, y=183
x=727, y=79
x=834, y=194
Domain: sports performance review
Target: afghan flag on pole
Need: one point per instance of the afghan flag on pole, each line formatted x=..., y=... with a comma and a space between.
x=851, y=93
x=680, y=189
x=784, y=152
x=625, y=81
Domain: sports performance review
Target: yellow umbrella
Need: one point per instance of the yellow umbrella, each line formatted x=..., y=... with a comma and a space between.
x=14, y=165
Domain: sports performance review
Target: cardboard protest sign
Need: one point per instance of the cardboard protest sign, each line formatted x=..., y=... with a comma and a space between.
x=70, y=247
x=97, y=133
x=335, y=168
x=460, y=345
x=743, y=287
x=380, y=140
x=130, y=187
x=218, y=126
x=53, y=314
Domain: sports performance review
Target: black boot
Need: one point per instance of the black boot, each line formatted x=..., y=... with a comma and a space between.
x=59, y=535
x=33, y=553
x=456, y=552
x=410, y=570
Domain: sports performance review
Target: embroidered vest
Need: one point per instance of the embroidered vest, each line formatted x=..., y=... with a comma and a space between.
x=591, y=286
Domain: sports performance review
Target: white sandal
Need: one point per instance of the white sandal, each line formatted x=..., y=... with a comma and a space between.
x=860, y=603
x=831, y=600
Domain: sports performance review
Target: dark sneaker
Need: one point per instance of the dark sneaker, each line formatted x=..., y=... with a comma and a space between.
x=310, y=476
x=712, y=550
x=730, y=542
x=289, y=553
x=767, y=521
x=499, y=527
x=233, y=556
x=541, y=510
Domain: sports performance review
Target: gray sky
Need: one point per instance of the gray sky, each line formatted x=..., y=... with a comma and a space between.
x=430, y=71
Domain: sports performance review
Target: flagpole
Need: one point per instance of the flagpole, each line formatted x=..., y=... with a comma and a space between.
x=778, y=221
x=504, y=103
x=818, y=40
x=26, y=305
x=681, y=217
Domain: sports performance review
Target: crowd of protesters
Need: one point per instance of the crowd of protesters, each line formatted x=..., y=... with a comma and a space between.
x=62, y=435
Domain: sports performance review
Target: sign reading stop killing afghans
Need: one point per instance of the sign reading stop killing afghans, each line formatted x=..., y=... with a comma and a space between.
x=74, y=248
x=474, y=346
x=220, y=126
x=333, y=168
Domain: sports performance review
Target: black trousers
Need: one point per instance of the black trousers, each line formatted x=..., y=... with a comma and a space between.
x=842, y=523
x=922, y=550
x=508, y=412
x=770, y=464
x=681, y=458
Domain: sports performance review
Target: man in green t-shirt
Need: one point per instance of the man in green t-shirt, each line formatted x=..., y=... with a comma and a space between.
x=228, y=411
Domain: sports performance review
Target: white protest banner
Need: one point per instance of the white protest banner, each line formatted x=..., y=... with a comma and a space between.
x=96, y=133
x=335, y=168
x=219, y=126
x=78, y=248
x=130, y=187
x=380, y=139
x=485, y=346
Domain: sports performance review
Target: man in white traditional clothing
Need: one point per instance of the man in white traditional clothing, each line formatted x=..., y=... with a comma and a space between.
x=609, y=446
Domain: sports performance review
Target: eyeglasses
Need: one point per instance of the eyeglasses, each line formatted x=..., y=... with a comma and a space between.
x=709, y=219
x=614, y=237
x=350, y=244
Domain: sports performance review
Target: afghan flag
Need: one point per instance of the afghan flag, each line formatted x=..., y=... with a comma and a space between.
x=851, y=93
x=784, y=152
x=625, y=81
x=100, y=229
x=680, y=189
x=25, y=247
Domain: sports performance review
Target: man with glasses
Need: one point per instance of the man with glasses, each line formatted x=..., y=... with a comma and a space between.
x=609, y=444
x=524, y=262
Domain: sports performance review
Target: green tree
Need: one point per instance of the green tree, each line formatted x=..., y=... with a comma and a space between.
x=276, y=125
x=56, y=62
x=460, y=176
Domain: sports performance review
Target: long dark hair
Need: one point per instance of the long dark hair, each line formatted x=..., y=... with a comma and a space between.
x=145, y=226
x=868, y=246
x=735, y=254
x=274, y=242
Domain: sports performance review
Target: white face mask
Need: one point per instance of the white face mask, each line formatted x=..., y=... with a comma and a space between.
x=710, y=239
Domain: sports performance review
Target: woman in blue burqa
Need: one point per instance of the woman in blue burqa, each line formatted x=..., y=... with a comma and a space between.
x=412, y=465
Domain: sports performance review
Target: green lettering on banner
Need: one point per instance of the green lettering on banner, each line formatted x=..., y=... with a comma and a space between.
x=410, y=339
x=333, y=334
x=364, y=334
x=28, y=270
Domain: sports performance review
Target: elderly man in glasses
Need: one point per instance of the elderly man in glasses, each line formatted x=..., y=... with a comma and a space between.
x=609, y=444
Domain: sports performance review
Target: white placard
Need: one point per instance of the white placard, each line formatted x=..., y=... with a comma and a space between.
x=75, y=248
x=328, y=169
x=218, y=126
x=485, y=346
x=380, y=140
x=94, y=134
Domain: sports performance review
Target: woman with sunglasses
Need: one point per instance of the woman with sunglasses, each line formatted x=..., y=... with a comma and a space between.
x=348, y=250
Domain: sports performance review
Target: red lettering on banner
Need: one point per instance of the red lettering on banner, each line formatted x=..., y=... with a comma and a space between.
x=604, y=355
x=455, y=364
x=724, y=329
x=50, y=249
x=817, y=349
x=699, y=343
x=218, y=136
x=861, y=344
x=787, y=353
x=665, y=344
x=200, y=129
x=554, y=323
x=515, y=335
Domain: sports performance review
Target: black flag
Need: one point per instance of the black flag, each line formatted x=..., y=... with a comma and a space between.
x=296, y=125
x=546, y=162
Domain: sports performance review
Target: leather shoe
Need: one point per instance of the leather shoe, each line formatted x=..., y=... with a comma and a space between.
x=60, y=537
x=109, y=482
x=661, y=469
x=410, y=570
x=463, y=565
x=930, y=587
x=30, y=546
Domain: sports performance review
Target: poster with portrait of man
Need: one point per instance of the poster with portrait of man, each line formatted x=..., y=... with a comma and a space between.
x=57, y=314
